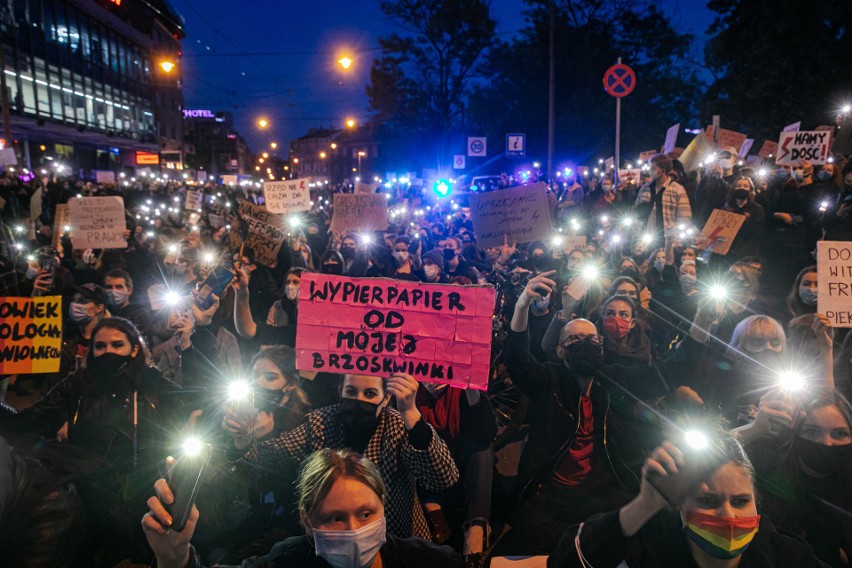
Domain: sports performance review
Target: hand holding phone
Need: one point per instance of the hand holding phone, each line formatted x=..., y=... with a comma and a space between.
x=185, y=481
x=168, y=545
x=675, y=471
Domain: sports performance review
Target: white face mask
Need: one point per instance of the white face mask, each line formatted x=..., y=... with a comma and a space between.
x=116, y=298
x=400, y=256
x=31, y=273
x=431, y=271
x=292, y=292
x=351, y=549
x=81, y=312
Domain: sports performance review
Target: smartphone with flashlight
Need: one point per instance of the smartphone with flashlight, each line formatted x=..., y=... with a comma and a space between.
x=699, y=463
x=185, y=481
x=215, y=283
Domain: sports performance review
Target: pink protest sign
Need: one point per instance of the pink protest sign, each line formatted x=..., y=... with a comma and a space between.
x=377, y=326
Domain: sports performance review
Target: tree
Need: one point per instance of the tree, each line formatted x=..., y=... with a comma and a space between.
x=419, y=86
x=778, y=61
x=590, y=36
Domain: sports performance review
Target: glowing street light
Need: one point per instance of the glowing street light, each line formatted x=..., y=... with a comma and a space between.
x=167, y=66
x=345, y=62
x=350, y=123
x=322, y=155
x=273, y=145
x=262, y=123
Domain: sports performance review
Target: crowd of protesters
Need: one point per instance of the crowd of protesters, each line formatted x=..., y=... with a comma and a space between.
x=682, y=407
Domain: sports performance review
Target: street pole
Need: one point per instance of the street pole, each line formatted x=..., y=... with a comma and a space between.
x=551, y=96
x=4, y=99
x=617, y=156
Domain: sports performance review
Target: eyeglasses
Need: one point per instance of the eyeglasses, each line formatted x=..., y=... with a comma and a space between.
x=596, y=340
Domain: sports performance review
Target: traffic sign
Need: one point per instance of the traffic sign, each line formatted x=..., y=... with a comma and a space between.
x=458, y=162
x=619, y=80
x=477, y=146
x=516, y=145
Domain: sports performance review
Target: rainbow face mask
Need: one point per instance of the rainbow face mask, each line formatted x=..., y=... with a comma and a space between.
x=719, y=537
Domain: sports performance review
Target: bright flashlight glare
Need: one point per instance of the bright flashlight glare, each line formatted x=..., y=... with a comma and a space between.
x=647, y=238
x=173, y=248
x=366, y=239
x=762, y=172
x=192, y=446
x=823, y=206
x=627, y=221
x=590, y=272
x=791, y=380
x=696, y=439
x=557, y=241
x=295, y=222
x=616, y=239
x=20, y=229
x=208, y=258
x=238, y=391
x=604, y=218
x=172, y=298
x=719, y=292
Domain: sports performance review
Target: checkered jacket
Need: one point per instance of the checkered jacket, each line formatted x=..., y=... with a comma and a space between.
x=676, y=207
x=402, y=466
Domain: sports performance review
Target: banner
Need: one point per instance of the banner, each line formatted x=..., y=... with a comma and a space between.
x=105, y=177
x=696, y=152
x=519, y=214
x=795, y=147
x=30, y=335
x=97, y=222
x=287, y=196
x=671, y=138
x=193, y=200
x=768, y=149
x=719, y=232
x=359, y=212
x=377, y=326
x=265, y=232
x=834, y=267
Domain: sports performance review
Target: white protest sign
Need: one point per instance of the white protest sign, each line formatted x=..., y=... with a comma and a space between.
x=97, y=222
x=747, y=144
x=105, y=177
x=719, y=232
x=216, y=221
x=361, y=187
x=352, y=211
x=834, y=296
x=8, y=157
x=647, y=155
x=518, y=214
x=288, y=196
x=793, y=127
x=193, y=200
x=631, y=176
x=671, y=138
x=795, y=147
x=229, y=180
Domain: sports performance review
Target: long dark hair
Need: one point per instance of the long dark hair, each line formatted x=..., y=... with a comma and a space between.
x=125, y=327
x=795, y=305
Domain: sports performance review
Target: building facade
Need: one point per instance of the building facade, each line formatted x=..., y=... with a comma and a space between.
x=212, y=145
x=84, y=83
x=334, y=155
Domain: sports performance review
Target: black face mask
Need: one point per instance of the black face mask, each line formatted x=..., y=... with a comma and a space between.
x=108, y=365
x=824, y=460
x=268, y=400
x=333, y=268
x=630, y=273
x=359, y=422
x=540, y=262
x=584, y=358
x=449, y=254
x=347, y=253
x=108, y=374
x=741, y=194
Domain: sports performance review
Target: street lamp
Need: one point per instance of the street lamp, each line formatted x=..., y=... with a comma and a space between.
x=167, y=66
x=273, y=145
x=262, y=123
x=265, y=154
x=361, y=154
x=322, y=155
x=345, y=62
x=350, y=123
x=334, y=145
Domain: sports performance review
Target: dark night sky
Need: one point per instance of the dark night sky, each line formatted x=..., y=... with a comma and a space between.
x=301, y=86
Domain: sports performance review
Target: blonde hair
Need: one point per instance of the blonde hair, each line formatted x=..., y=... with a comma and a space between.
x=750, y=326
x=324, y=467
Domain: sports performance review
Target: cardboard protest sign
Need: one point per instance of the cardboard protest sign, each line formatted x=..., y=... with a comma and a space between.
x=633, y=176
x=830, y=129
x=671, y=138
x=810, y=145
x=193, y=200
x=725, y=138
x=97, y=222
x=229, y=180
x=834, y=296
x=768, y=149
x=719, y=232
x=105, y=176
x=377, y=326
x=793, y=127
x=216, y=221
x=8, y=157
x=361, y=187
x=60, y=220
x=747, y=144
x=353, y=211
x=519, y=214
x=647, y=155
x=262, y=231
x=288, y=196
x=573, y=242
x=695, y=152
x=30, y=335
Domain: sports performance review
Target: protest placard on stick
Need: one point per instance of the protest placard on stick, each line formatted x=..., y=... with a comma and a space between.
x=359, y=212
x=796, y=147
x=378, y=326
x=97, y=222
x=287, y=196
x=518, y=214
x=834, y=286
x=263, y=231
x=719, y=232
x=30, y=335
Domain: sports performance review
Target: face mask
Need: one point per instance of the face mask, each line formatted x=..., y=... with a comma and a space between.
x=617, y=327
x=449, y=254
x=719, y=537
x=741, y=194
x=267, y=400
x=824, y=176
x=584, y=358
x=359, y=421
x=727, y=163
x=767, y=359
x=630, y=273
x=688, y=282
x=808, y=296
x=347, y=253
x=108, y=364
x=607, y=188
x=80, y=312
x=116, y=298
x=431, y=271
x=400, y=256
x=351, y=549
x=292, y=292
x=540, y=262
x=31, y=273
x=822, y=459
x=783, y=175
x=798, y=176
x=659, y=265
x=333, y=268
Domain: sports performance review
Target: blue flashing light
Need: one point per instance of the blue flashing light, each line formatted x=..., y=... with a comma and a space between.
x=441, y=187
